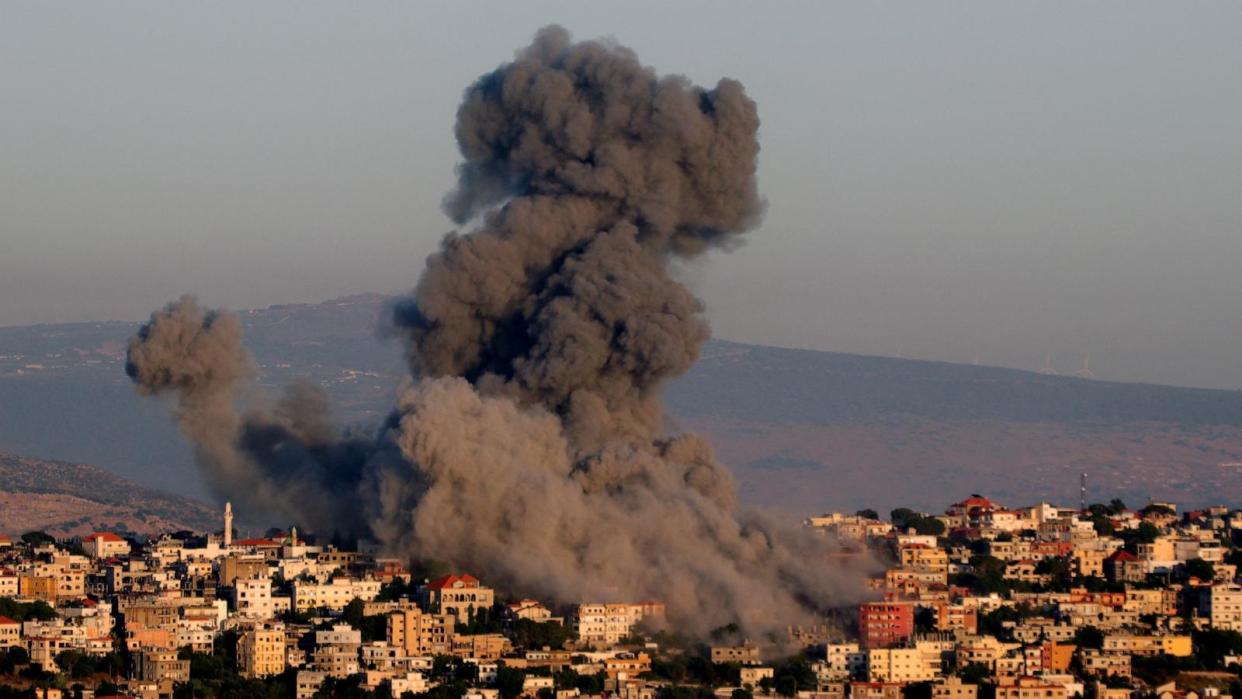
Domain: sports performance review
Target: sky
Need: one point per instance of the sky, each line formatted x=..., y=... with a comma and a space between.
x=994, y=181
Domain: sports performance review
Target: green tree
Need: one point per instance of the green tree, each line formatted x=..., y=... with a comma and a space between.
x=38, y=538
x=37, y=610
x=526, y=633
x=974, y=673
x=868, y=513
x=902, y=516
x=1089, y=637
x=1201, y=569
x=509, y=682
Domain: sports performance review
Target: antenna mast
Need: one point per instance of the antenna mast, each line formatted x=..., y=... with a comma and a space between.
x=1047, y=369
x=1085, y=372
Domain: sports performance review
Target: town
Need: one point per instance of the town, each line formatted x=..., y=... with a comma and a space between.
x=980, y=602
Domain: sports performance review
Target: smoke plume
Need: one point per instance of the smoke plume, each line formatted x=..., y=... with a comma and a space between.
x=529, y=445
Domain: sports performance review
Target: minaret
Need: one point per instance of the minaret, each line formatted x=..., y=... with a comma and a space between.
x=293, y=536
x=228, y=524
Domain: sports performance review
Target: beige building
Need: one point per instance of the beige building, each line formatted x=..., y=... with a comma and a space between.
x=752, y=676
x=10, y=632
x=460, y=596
x=252, y=598
x=745, y=654
x=105, y=545
x=607, y=624
x=1223, y=606
x=419, y=633
x=954, y=688
x=162, y=667
x=931, y=559
x=335, y=595
x=1030, y=688
x=337, y=650
x=480, y=647
x=900, y=665
x=1103, y=664
x=261, y=651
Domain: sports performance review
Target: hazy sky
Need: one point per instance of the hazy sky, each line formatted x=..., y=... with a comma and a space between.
x=944, y=179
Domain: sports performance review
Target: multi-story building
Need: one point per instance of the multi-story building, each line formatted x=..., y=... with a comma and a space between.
x=460, y=596
x=261, y=651
x=745, y=654
x=884, y=624
x=337, y=650
x=607, y=624
x=1222, y=605
x=419, y=633
x=252, y=598
x=335, y=595
x=900, y=665
x=105, y=545
x=1030, y=688
x=953, y=688
x=163, y=667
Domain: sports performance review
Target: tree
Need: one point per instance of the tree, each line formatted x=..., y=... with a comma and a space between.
x=925, y=620
x=1089, y=637
x=743, y=693
x=526, y=633
x=902, y=516
x=917, y=690
x=867, y=513
x=37, y=610
x=974, y=673
x=929, y=526
x=38, y=538
x=510, y=681
x=1201, y=569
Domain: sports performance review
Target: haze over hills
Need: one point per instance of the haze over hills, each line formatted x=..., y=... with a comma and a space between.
x=803, y=431
x=65, y=499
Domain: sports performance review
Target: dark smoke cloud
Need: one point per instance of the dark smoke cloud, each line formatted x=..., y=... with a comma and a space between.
x=530, y=444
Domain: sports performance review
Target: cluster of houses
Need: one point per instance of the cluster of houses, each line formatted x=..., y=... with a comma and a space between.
x=280, y=604
x=1041, y=602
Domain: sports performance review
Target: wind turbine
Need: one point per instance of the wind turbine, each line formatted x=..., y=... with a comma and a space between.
x=1085, y=372
x=1047, y=369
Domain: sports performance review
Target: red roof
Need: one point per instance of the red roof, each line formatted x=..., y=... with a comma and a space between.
x=974, y=501
x=466, y=580
x=1121, y=555
x=257, y=542
x=103, y=536
x=5, y=621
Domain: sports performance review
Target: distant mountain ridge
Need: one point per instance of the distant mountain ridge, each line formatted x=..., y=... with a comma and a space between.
x=74, y=499
x=802, y=430
x=832, y=387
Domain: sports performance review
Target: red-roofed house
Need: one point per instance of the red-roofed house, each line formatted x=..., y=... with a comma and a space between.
x=104, y=545
x=10, y=632
x=458, y=595
x=1123, y=566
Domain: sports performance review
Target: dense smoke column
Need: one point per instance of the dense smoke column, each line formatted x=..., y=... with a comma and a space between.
x=562, y=296
x=529, y=446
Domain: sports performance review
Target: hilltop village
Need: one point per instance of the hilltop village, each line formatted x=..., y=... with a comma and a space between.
x=980, y=602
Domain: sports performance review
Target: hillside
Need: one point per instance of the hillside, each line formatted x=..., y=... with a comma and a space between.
x=74, y=499
x=802, y=430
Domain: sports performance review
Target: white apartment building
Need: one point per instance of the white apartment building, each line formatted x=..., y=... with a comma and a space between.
x=252, y=598
x=335, y=595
